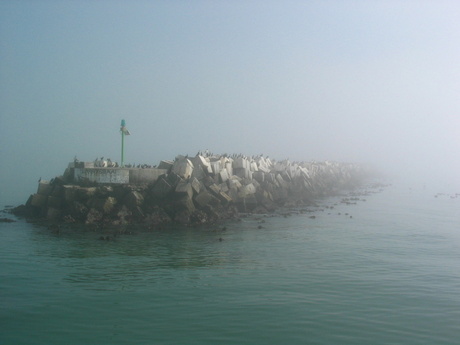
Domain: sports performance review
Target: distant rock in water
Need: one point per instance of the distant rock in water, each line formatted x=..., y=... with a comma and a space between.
x=189, y=190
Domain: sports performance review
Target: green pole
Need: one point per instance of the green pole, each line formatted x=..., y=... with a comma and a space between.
x=122, y=149
x=123, y=130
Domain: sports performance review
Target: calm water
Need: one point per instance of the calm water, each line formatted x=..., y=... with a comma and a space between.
x=388, y=275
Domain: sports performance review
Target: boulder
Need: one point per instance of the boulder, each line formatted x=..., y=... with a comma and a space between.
x=241, y=163
x=242, y=173
x=224, y=198
x=223, y=174
x=123, y=214
x=165, y=165
x=184, y=203
x=197, y=186
x=223, y=187
x=54, y=202
x=233, y=193
x=185, y=187
x=203, y=163
x=161, y=188
x=103, y=205
x=77, y=210
x=70, y=193
x=259, y=176
x=83, y=193
x=157, y=217
x=229, y=168
x=214, y=188
x=246, y=190
x=57, y=192
x=216, y=167
x=234, y=182
x=198, y=173
x=53, y=213
x=173, y=179
x=205, y=198
x=134, y=199
x=183, y=167
x=93, y=216
x=44, y=188
x=38, y=200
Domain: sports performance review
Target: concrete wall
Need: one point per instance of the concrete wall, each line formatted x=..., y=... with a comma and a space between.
x=102, y=175
x=115, y=175
x=148, y=175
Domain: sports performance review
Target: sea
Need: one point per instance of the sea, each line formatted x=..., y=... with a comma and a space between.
x=379, y=266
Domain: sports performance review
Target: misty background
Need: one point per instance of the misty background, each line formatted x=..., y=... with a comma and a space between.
x=362, y=81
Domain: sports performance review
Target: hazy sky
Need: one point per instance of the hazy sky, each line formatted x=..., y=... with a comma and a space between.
x=340, y=80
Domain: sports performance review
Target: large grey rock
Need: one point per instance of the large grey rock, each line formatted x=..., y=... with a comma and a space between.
x=205, y=198
x=157, y=217
x=243, y=172
x=203, y=162
x=214, y=188
x=161, y=188
x=198, y=172
x=197, y=186
x=165, y=165
x=103, y=205
x=246, y=190
x=134, y=199
x=229, y=167
x=216, y=167
x=241, y=163
x=44, y=188
x=233, y=193
x=223, y=174
x=93, y=216
x=281, y=181
x=83, y=193
x=234, y=182
x=183, y=168
x=39, y=200
x=53, y=213
x=54, y=202
x=174, y=179
x=259, y=176
x=184, y=187
x=184, y=204
x=223, y=187
x=224, y=198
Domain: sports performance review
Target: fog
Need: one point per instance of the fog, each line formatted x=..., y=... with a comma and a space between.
x=363, y=81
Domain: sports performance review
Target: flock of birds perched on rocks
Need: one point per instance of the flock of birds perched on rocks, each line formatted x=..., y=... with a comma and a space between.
x=108, y=163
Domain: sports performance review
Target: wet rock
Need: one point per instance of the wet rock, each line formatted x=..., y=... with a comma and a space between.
x=53, y=213
x=103, y=205
x=157, y=217
x=93, y=216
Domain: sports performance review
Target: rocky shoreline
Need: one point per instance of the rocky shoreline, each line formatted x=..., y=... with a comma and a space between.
x=191, y=191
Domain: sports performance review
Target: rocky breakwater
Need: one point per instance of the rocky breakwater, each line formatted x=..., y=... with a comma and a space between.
x=202, y=189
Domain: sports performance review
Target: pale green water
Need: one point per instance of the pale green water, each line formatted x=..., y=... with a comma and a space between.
x=389, y=275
